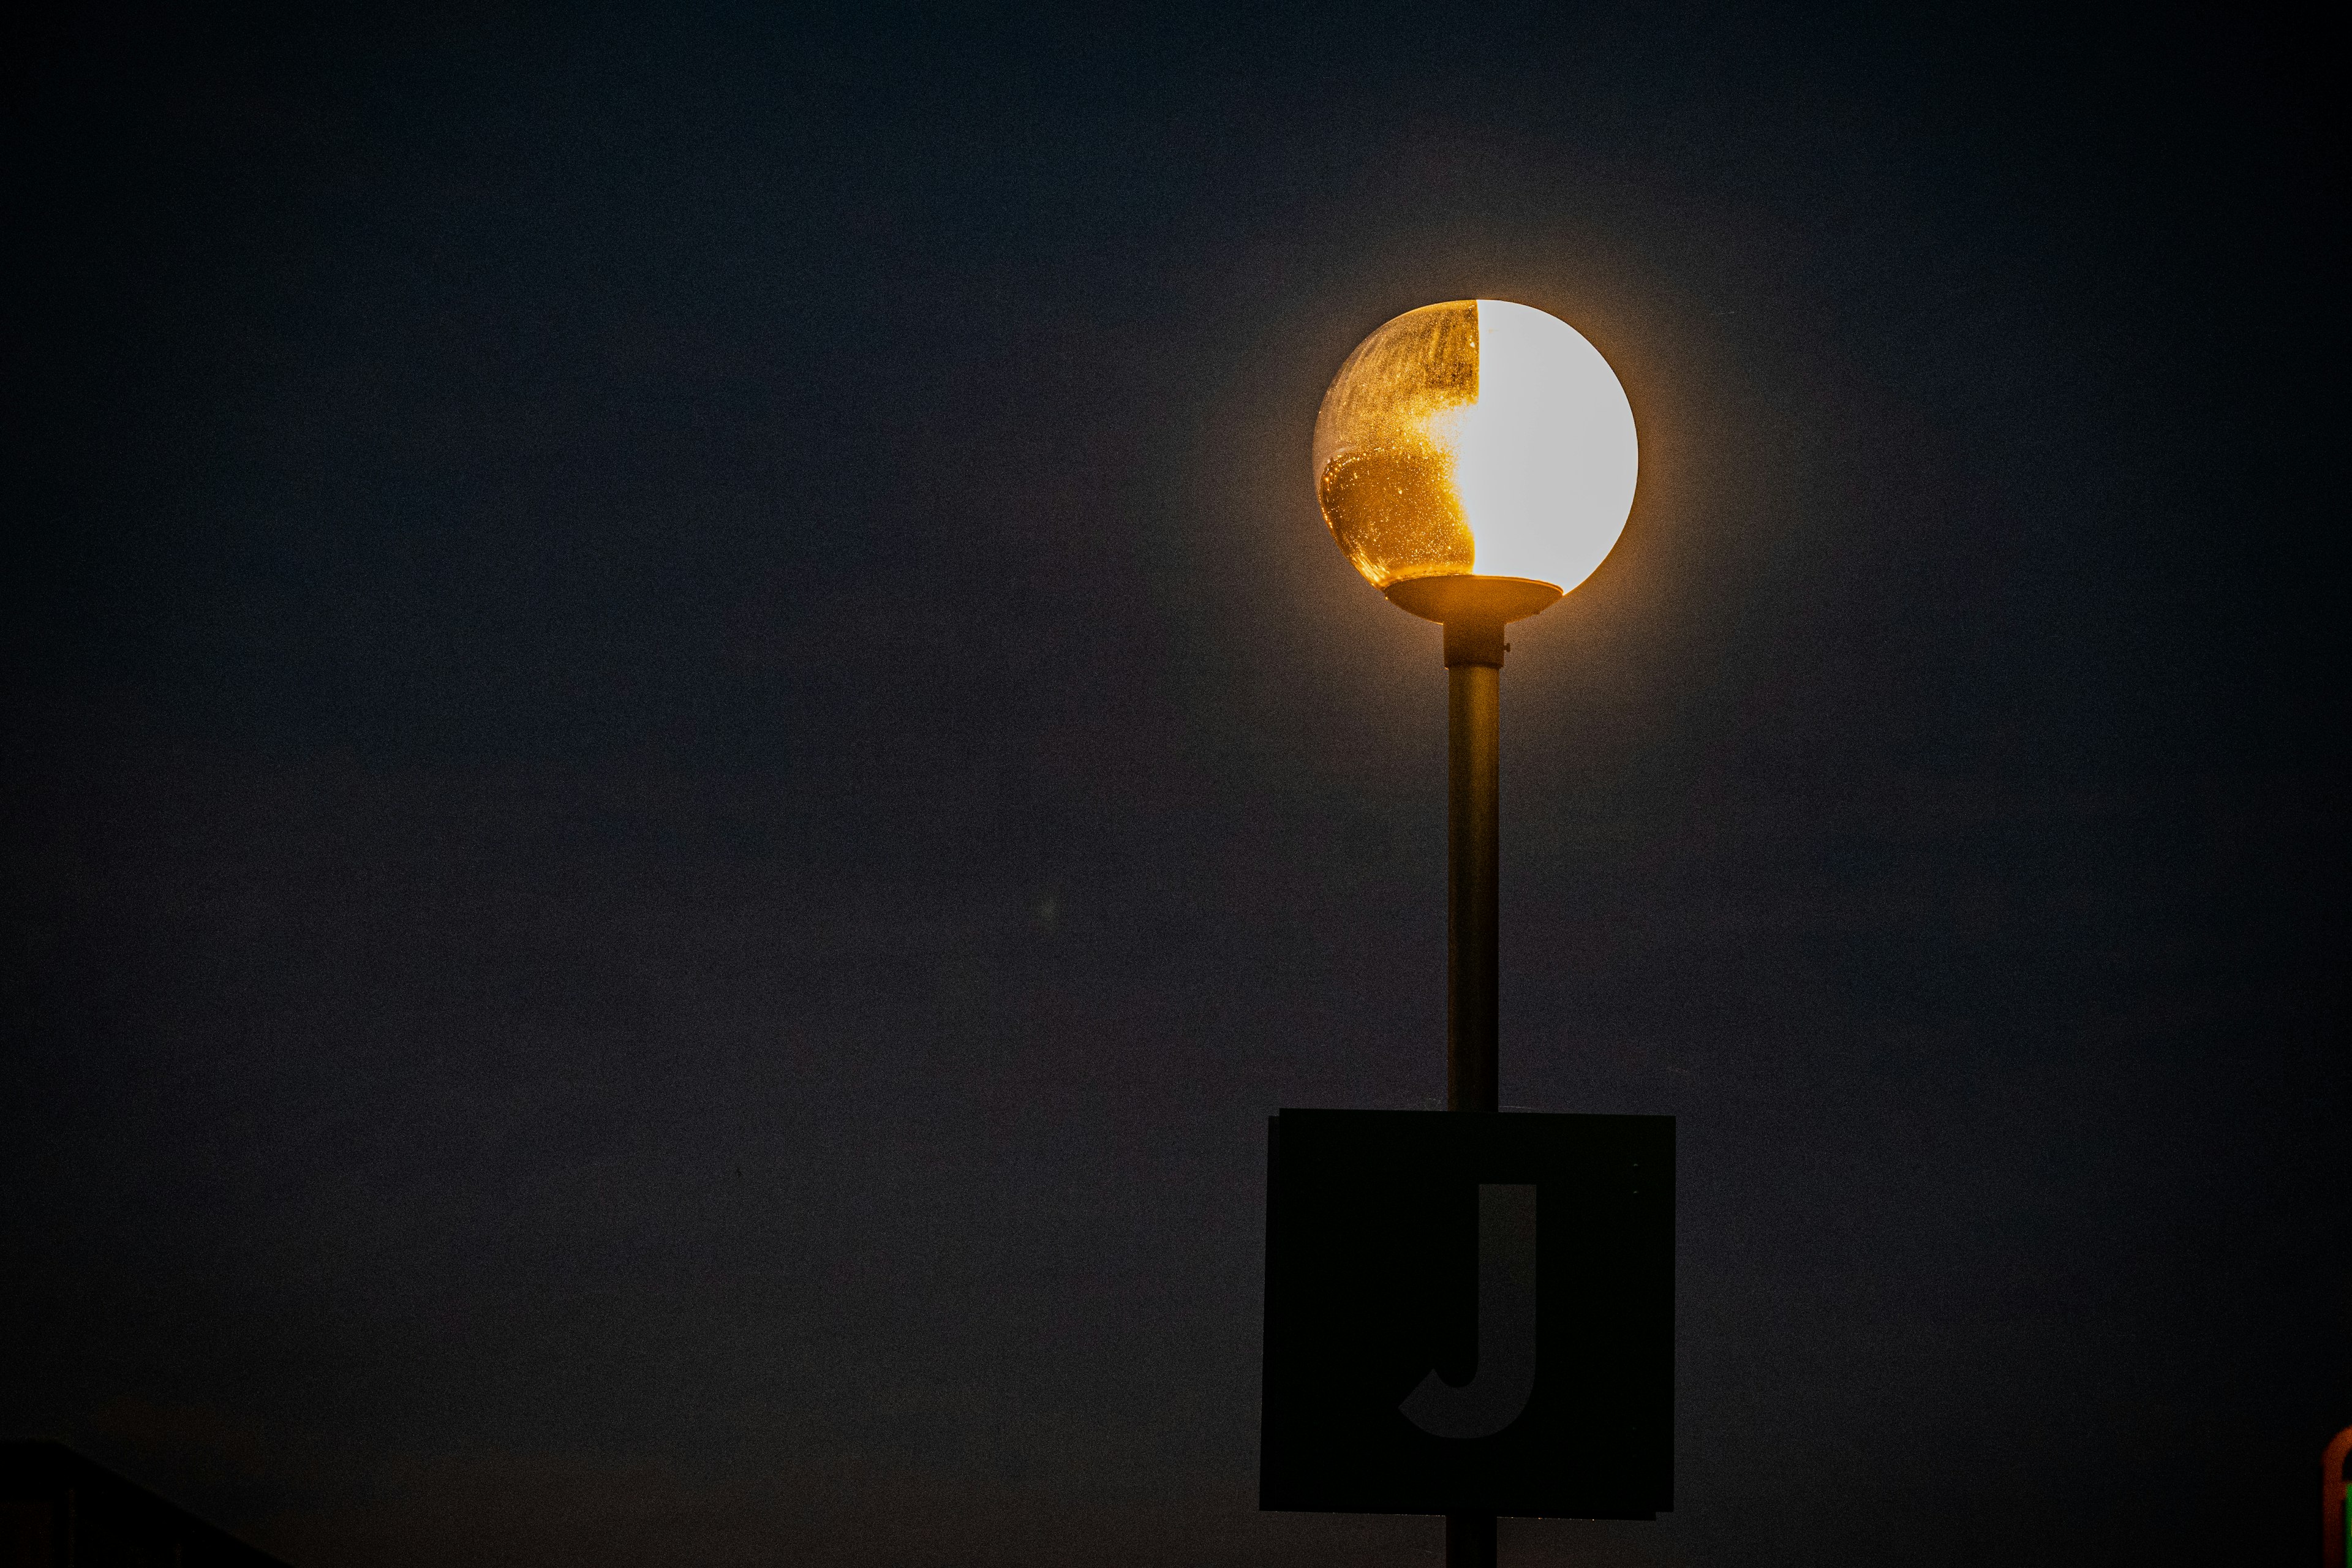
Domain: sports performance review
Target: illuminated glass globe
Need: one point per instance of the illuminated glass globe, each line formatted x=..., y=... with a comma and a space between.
x=1478, y=440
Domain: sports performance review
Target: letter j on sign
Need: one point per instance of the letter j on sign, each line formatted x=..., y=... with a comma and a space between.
x=1469, y=1314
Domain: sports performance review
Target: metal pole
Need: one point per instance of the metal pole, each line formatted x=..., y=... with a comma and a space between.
x=1473, y=861
x=1469, y=1541
x=1473, y=856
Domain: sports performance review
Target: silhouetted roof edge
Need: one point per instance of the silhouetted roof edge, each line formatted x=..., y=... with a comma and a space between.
x=36, y=1469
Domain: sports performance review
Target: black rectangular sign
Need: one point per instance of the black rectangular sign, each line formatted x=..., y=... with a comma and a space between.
x=1469, y=1314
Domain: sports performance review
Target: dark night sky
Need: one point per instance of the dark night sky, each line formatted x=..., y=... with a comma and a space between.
x=684, y=764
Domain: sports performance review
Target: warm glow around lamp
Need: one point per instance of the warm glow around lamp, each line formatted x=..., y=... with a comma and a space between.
x=1477, y=439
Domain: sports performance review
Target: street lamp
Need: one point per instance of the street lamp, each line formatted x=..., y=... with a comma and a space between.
x=1475, y=460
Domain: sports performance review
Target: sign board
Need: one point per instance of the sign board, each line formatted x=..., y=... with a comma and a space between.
x=1469, y=1314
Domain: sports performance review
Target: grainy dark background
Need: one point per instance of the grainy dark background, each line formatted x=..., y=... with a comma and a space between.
x=684, y=763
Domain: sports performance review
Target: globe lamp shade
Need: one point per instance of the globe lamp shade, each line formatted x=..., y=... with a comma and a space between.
x=1476, y=440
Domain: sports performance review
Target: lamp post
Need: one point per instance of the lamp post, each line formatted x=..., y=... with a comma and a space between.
x=1476, y=461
